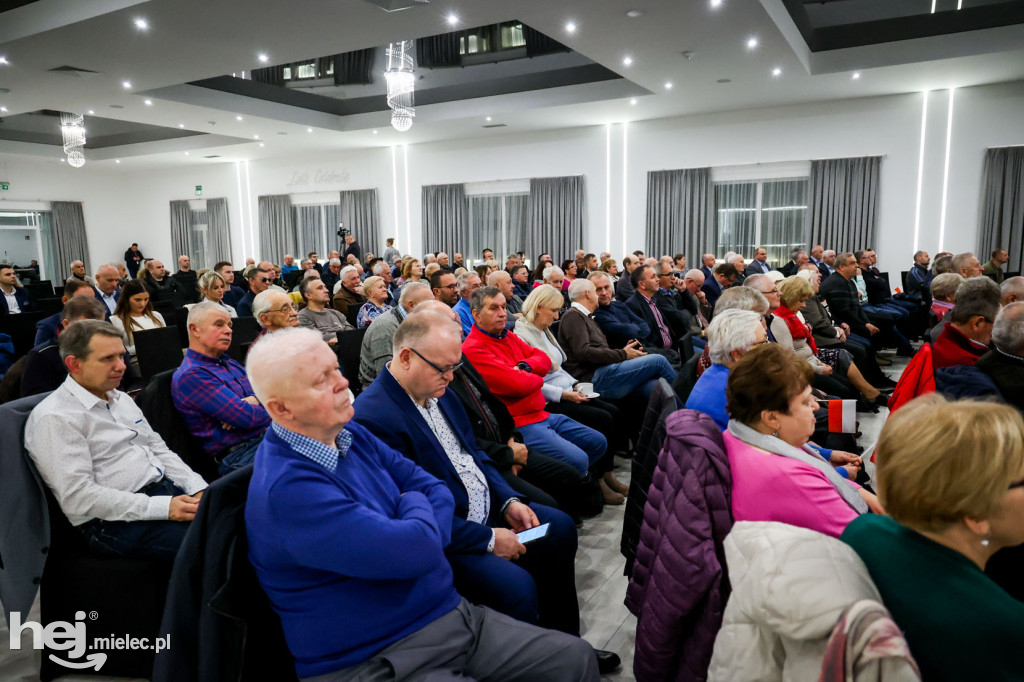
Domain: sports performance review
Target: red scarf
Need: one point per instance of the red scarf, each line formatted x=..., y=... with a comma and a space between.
x=797, y=329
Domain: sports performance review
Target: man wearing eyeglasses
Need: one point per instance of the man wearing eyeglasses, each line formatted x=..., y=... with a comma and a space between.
x=213, y=395
x=259, y=281
x=445, y=288
x=411, y=409
x=274, y=311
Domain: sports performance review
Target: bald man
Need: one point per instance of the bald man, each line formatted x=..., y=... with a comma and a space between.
x=107, y=281
x=513, y=304
x=213, y=395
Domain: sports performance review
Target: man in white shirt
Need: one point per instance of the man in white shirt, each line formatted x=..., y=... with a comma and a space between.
x=113, y=476
x=14, y=300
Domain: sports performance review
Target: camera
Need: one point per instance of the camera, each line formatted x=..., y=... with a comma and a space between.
x=342, y=232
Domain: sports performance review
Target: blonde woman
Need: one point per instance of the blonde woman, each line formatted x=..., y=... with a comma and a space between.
x=134, y=312
x=540, y=309
x=212, y=287
x=376, y=291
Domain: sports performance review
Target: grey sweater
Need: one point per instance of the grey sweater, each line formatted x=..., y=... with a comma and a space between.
x=328, y=323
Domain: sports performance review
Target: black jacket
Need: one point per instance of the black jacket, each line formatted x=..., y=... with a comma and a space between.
x=876, y=286
x=168, y=289
x=188, y=281
x=841, y=296
x=221, y=624
x=492, y=426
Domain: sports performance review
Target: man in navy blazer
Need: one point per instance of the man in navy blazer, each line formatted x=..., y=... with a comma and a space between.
x=724, y=275
x=9, y=289
x=46, y=328
x=758, y=266
x=410, y=407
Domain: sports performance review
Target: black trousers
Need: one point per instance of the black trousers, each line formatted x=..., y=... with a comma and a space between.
x=550, y=482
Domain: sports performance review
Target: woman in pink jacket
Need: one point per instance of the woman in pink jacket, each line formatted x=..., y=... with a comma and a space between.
x=775, y=476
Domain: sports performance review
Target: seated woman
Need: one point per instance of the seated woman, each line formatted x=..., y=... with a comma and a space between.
x=951, y=477
x=791, y=331
x=412, y=271
x=540, y=310
x=376, y=291
x=611, y=268
x=134, y=312
x=212, y=287
x=569, y=270
x=775, y=476
x=943, y=289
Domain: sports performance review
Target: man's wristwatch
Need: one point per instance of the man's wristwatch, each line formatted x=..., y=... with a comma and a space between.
x=523, y=366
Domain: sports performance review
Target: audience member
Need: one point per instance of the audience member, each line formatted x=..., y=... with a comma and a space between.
x=348, y=292
x=1004, y=364
x=966, y=336
x=213, y=395
x=967, y=264
x=15, y=299
x=376, y=292
x=664, y=321
x=759, y=264
x=133, y=259
x=841, y=296
x=108, y=283
x=942, y=264
x=339, y=523
x=616, y=319
x=994, y=268
x=707, y=264
x=78, y=272
x=502, y=281
x=351, y=247
x=624, y=288
x=112, y=475
x=288, y=264
x=213, y=288
x=723, y=276
x=950, y=477
x=259, y=281
x=314, y=258
x=797, y=257
x=412, y=271
x=943, y=290
x=775, y=476
x=376, y=349
x=919, y=279
x=233, y=293
x=740, y=264
x=817, y=253
x=1012, y=290
x=390, y=252
x=331, y=275
x=161, y=287
x=188, y=280
x=467, y=284
x=521, y=281
x=135, y=312
x=445, y=288
x=316, y=315
x=47, y=328
x=274, y=310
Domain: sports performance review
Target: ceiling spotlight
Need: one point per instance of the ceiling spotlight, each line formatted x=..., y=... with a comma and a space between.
x=752, y=43
x=856, y=75
x=715, y=4
x=633, y=101
x=181, y=125
x=488, y=118
x=261, y=144
x=3, y=60
x=186, y=153
x=634, y=13
x=570, y=27
x=776, y=72
x=627, y=61
x=3, y=110
x=309, y=130
x=62, y=160
x=117, y=160
x=238, y=118
x=453, y=19
x=148, y=102
x=374, y=132
x=668, y=85
x=263, y=58
x=141, y=24
x=127, y=85
x=255, y=137
x=91, y=112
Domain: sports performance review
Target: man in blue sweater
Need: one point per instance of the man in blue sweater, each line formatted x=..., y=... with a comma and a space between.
x=347, y=538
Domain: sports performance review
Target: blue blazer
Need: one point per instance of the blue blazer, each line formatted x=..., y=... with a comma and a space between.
x=712, y=290
x=21, y=296
x=46, y=329
x=117, y=295
x=387, y=411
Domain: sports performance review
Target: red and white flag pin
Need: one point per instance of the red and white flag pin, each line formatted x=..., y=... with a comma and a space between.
x=842, y=416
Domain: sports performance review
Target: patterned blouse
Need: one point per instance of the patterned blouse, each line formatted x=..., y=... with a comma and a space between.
x=370, y=312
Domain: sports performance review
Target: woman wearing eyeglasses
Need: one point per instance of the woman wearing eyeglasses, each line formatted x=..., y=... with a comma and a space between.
x=951, y=477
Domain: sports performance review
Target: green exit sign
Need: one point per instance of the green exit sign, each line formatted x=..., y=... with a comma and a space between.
x=5, y=186
x=199, y=190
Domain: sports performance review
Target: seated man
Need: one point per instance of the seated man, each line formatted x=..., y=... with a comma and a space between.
x=445, y=287
x=260, y=280
x=1012, y=290
x=48, y=327
x=274, y=310
x=515, y=371
x=615, y=373
x=695, y=302
x=316, y=315
x=331, y=275
x=502, y=281
x=375, y=351
x=211, y=392
x=348, y=291
x=919, y=279
x=665, y=319
x=723, y=276
x=348, y=540
x=234, y=293
x=107, y=287
x=162, y=288
x=410, y=408
x=841, y=295
x=14, y=299
x=112, y=475
x=966, y=336
x=45, y=369
x=466, y=284
x=1005, y=363
x=616, y=319
x=624, y=288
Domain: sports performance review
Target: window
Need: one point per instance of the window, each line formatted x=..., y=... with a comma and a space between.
x=492, y=39
x=26, y=236
x=769, y=213
x=200, y=243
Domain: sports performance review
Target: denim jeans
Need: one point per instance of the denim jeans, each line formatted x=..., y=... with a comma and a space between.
x=139, y=539
x=566, y=440
x=618, y=380
x=240, y=456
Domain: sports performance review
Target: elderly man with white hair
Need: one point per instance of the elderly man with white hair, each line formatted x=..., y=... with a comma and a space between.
x=331, y=274
x=376, y=349
x=615, y=372
x=1011, y=290
x=348, y=291
x=339, y=524
x=212, y=394
x=1005, y=363
x=274, y=311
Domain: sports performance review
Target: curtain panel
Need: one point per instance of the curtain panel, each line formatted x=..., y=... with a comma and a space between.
x=1002, y=205
x=680, y=212
x=277, y=232
x=308, y=231
x=445, y=218
x=70, y=241
x=360, y=214
x=218, y=230
x=354, y=68
x=557, y=212
x=271, y=75
x=181, y=230
x=439, y=50
x=844, y=202
x=538, y=44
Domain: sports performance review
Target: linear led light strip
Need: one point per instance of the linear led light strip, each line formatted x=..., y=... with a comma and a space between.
x=945, y=172
x=408, y=220
x=252, y=228
x=608, y=185
x=394, y=189
x=625, y=175
x=920, y=171
x=241, y=205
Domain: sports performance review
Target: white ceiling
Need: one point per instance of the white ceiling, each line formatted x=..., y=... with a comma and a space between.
x=190, y=40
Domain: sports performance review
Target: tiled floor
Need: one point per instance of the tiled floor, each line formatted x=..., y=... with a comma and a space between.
x=606, y=623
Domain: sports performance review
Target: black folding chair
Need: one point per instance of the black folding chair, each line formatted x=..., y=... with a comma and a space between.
x=157, y=350
x=49, y=305
x=350, y=344
x=181, y=322
x=39, y=290
x=22, y=328
x=903, y=278
x=244, y=332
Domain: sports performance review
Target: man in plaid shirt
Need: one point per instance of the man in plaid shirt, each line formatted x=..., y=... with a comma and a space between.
x=213, y=394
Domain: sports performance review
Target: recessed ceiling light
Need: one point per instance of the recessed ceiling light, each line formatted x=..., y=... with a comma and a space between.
x=91, y=112
x=715, y=4
x=238, y=118
x=255, y=137
x=627, y=61
x=186, y=153
x=3, y=60
x=263, y=58
x=4, y=110
x=453, y=19
x=261, y=144
x=148, y=102
x=776, y=72
x=141, y=24
x=633, y=101
x=126, y=85
x=752, y=43
x=488, y=118
x=634, y=13
x=117, y=160
x=668, y=85
x=570, y=27
x=374, y=132
x=62, y=160
x=309, y=130
x=856, y=75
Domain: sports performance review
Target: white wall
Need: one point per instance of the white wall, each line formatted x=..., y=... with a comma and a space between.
x=122, y=206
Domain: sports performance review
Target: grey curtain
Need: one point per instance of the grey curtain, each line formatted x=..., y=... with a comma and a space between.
x=276, y=228
x=844, y=202
x=516, y=222
x=445, y=218
x=680, y=212
x=1002, y=205
x=308, y=221
x=358, y=210
x=557, y=210
x=485, y=216
x=70, y=241
x=218, y=231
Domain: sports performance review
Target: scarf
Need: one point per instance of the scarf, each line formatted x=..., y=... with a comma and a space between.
x=797, y=328
x=782, y=448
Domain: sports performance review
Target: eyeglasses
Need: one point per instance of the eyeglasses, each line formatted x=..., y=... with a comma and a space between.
x=266, y=280
x=440, y=370
x=283, y=309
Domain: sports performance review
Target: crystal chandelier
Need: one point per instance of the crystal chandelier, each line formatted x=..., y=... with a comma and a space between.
x=72, y=127
x=401, y=84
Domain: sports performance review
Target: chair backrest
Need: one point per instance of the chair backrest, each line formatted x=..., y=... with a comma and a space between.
x=903, y=278
x=157, y=405
x=885, y=276
x=685, y=346
x=350, y=343
x=351, y=313
x=39, y=290
x=181, y=322
x=687, y=378
x=244, y=332
x=157, y=350
x=22, y=328
x=49, y=305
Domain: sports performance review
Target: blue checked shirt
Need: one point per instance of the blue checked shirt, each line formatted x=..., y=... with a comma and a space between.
x=324, y=455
